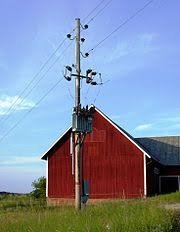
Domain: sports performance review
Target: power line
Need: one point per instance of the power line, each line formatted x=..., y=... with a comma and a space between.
x=35, y=76
x=69, y=92
x=29, y=111
x=36, y=83
x=84, y=19
x=121, y=25
x=101, y=10
x=50, y=58
x=98, y=92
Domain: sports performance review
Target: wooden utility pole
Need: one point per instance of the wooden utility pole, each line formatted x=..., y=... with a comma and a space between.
x=77, y=108
x=81, y=117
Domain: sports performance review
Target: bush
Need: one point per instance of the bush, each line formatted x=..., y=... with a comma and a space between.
x=39, y=188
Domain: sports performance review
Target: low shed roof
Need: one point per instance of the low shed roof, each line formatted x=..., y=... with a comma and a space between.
x=165, y=149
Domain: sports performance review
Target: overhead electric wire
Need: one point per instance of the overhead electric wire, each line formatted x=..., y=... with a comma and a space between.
x=121, y=25
x=21, y=93
x=36, y=83
x=70, y=94
x=97, y=94
x=94, y=9
x=51, y=56
x=31, y=109
x=34, y=77
x=101, y=10
x=43, y=67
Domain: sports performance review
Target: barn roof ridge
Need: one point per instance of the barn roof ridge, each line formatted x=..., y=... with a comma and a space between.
x=125, y=133
x=158, y=136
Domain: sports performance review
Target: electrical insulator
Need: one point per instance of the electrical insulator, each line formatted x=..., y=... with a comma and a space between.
x=68, y=78
x=88, y=71
x=69, y=68
x=93, y=83
x=94, y=73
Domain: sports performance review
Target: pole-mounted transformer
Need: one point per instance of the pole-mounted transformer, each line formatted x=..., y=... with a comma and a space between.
x=82, y=120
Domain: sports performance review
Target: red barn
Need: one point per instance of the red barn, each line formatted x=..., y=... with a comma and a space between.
x=114, y=163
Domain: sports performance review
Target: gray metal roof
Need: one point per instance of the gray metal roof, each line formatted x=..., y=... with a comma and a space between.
x=165, y=149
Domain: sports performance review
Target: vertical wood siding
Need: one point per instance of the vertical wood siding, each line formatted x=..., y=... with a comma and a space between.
x=113, y=165
x=60, y=179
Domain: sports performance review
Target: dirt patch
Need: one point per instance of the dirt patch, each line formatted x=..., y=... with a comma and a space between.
x=174, y=206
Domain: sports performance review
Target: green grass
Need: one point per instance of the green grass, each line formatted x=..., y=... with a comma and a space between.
x=22, y=213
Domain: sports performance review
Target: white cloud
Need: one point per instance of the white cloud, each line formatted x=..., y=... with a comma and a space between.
x=143, y=127
x=146, y=43
x=148, y=37
x=18, y=104
x=141, y=45
x=19, y=160
x=171, y=119
x=162, y=126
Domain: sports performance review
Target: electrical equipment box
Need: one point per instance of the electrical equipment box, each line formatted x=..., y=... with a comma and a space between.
x=85, y=190
x=82, y=120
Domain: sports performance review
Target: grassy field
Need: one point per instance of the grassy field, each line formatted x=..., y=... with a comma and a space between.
x=22, y=213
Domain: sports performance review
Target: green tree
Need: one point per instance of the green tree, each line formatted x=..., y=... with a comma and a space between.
x=39, y=188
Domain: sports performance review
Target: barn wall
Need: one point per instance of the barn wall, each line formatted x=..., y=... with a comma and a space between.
x=113, y=165
x=60, y=179
x=170, y=170
x=153, y=171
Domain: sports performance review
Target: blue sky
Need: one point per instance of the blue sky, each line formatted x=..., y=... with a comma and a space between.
x=140, y=63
